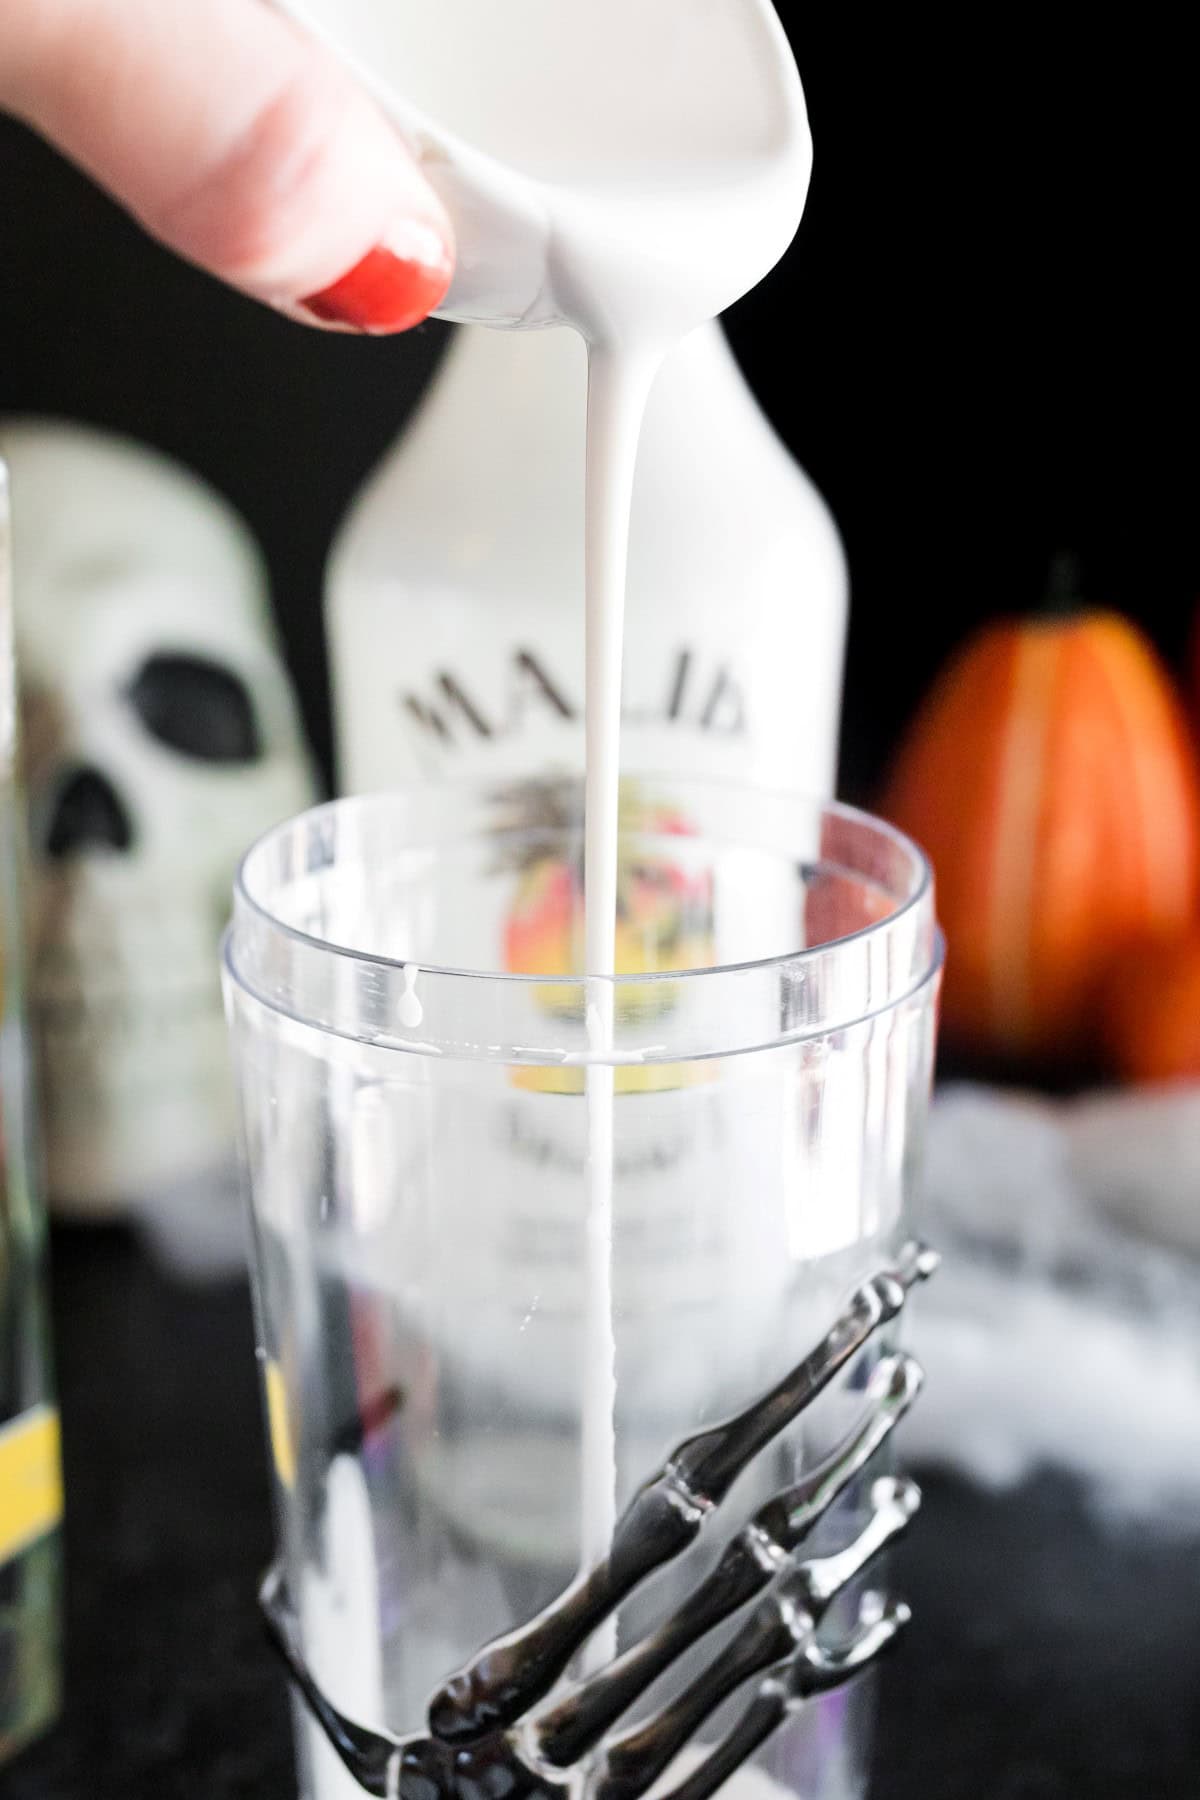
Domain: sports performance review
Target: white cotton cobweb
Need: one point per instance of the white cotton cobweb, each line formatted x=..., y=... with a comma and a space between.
x=1061, y=1333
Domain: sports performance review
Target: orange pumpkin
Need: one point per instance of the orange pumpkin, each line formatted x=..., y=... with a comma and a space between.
x=1151, y=1012
x=1050, y=777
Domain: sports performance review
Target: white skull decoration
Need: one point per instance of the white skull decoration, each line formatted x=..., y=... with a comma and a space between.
x=161, y=738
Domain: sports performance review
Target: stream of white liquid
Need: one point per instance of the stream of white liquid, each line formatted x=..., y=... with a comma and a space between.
x=623, y=277
x=618, y=386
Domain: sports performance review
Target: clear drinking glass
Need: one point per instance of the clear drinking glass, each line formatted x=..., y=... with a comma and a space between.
x=411, y=1038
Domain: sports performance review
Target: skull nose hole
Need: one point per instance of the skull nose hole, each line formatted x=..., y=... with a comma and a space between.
x=89, y=815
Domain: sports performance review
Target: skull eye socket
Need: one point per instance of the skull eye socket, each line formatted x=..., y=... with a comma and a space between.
x=196, y=707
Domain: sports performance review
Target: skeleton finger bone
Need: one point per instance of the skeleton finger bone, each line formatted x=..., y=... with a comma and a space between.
x=369, y=1755
x=814, y=1669
x=786, y=1619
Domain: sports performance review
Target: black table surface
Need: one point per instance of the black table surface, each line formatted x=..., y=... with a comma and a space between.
x=1048, y=1655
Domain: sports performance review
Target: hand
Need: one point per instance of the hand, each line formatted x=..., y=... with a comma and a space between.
x=239, y=144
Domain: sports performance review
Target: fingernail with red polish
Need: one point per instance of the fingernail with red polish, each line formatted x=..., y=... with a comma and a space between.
x=396, y=285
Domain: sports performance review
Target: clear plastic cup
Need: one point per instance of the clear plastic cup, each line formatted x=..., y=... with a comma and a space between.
x=411, y=1038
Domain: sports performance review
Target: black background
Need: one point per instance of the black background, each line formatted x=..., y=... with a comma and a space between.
x=982, y=346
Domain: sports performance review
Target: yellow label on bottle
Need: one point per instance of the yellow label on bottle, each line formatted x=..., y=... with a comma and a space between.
x=31, y=1495
x=279, y=1424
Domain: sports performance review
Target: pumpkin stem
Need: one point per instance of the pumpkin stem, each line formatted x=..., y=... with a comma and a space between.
x=1063, y=594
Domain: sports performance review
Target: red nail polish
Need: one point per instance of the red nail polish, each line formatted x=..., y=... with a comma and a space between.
x=396, y=285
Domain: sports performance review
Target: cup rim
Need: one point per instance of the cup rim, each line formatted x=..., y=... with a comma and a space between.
x=492, y=1015
x=621, y=983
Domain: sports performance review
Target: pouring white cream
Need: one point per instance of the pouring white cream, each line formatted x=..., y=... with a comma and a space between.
x=627, y=168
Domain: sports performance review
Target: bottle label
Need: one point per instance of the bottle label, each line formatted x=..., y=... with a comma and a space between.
x=470, y=704
x=452, y=713
x=31, y=1497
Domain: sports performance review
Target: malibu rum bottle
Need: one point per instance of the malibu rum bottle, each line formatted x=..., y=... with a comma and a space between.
x=455, y=589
